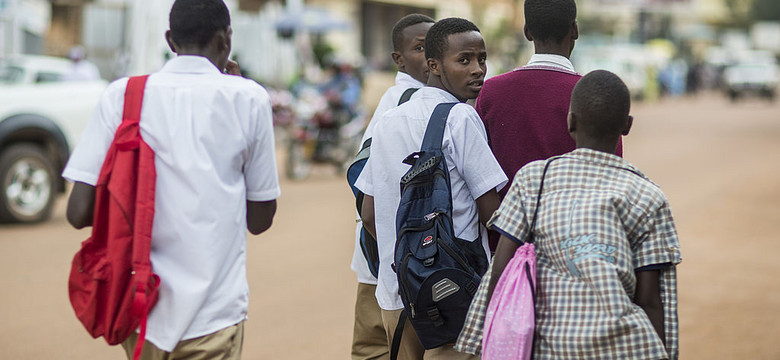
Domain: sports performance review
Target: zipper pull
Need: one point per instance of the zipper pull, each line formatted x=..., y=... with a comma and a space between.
x=411, y=307
x=432, y=215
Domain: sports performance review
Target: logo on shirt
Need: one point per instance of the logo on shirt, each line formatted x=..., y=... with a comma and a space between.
x=584, y=247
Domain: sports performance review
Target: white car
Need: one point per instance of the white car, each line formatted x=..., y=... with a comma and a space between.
x=41, y=118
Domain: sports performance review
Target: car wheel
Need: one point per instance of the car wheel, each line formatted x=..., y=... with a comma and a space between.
x=28, y=189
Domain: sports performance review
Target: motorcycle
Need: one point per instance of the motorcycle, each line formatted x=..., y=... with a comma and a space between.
x=321, y=132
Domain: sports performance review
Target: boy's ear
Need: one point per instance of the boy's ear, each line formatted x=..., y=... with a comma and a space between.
x=433, y=67
x=571, y=122
x=171, y=43
x=575, y=30
x=527, y=33
x=629, y=123
x=398, y=60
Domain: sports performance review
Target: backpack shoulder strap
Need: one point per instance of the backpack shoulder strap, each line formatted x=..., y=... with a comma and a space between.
x=407, y=95
x=434, y=133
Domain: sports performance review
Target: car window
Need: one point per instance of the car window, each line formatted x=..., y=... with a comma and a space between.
x=44, y=77
x=11, y=74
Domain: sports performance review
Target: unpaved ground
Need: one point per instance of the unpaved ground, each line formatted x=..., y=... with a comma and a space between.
x=718, y=163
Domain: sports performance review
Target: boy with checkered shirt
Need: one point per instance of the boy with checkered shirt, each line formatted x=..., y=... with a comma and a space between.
x=605, y=240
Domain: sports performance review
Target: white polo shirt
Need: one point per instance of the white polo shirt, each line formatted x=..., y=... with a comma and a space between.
x=389, y=100
x=212, y=135
x=473, y=172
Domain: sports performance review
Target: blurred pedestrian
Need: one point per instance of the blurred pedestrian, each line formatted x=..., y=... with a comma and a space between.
x=455, y=51
x=216, y=177
x=605, y=239
x=524, y=110
x=369, y=340
x=81, y=69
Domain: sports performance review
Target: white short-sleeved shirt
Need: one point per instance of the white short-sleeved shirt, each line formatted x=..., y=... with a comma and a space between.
x=473, y=172
x=389, y=100
x=213, y=140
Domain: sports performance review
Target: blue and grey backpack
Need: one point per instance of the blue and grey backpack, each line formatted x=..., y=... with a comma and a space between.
x=438, y=274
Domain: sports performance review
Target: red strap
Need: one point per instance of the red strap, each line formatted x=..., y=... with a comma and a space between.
x=129, y=138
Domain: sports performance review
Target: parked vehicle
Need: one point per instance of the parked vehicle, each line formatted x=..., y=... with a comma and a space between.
x=41, y=118
x=751, y=78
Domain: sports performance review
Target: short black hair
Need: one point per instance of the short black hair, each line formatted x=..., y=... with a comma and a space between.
x=194, y=22
x=405, y=22
x=602, y=102
x=436, y=39
x=550, y=19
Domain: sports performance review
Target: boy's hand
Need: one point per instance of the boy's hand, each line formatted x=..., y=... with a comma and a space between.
x=232, y=68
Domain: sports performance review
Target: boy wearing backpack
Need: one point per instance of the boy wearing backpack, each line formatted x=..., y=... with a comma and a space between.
x=456, y=55
x=369, y=340
x=605, y=239
x=212, y=137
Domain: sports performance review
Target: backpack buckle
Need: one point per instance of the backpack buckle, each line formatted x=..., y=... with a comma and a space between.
x=435, y=316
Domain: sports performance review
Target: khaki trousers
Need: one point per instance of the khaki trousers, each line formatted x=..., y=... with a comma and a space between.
x=369, y=341
x=225, y=344
x=411, y=349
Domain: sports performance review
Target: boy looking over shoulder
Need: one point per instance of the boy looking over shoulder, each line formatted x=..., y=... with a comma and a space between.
x=456, y=59
x=369, y=340
x=606, y=243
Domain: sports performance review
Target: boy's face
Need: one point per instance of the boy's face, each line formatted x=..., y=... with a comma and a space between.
x=411, y=57
x=462, y=67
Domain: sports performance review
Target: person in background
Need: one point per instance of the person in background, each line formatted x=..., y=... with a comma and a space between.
x=369, y=339
x=82, y=69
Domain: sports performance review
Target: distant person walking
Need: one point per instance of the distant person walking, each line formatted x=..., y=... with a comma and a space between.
x=212, y=137
x=82, y=69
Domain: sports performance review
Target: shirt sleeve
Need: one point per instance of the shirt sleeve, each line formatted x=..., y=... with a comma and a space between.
x=260, y=174
x=87, y=158
x=473, y=157
x=659, y=243
x=510, y=219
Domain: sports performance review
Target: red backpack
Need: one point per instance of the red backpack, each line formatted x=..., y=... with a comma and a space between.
x=112, y=291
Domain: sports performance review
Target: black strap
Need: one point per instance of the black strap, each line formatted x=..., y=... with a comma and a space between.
x=434, y=133
x=407, y=95
x=530, y=236
x=399, y=330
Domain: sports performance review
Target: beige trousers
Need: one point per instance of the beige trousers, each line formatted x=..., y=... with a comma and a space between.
x=411, y=349
x=225, y=344
x=369, y=341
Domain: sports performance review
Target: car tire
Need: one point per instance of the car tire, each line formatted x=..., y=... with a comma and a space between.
x=27, y=184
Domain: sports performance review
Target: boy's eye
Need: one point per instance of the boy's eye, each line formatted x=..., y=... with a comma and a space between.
x=419, y=48
x=464, y=61
x=482, y=60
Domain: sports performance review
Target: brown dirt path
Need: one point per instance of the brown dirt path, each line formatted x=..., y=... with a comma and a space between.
x=717, y=162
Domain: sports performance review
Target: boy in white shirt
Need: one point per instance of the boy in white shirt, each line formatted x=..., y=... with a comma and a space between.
x=455, y=51
x=369, y=340
x=212, y=136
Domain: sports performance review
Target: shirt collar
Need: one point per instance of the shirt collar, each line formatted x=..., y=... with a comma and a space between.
x=402, y=78
x=551, y=60
x=602, y=158
x=190, y=64
x=442, y=96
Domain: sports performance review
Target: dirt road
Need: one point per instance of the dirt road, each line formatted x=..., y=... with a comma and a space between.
x=719, y=164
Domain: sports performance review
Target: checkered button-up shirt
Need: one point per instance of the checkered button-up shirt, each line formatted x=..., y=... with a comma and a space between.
x=600, y=220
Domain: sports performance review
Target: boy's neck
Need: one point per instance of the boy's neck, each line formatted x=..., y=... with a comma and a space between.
x=552, y=48
x=598, y=145
x=435, y=81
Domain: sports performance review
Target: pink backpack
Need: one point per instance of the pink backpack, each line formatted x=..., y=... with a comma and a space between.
x=510, y=320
